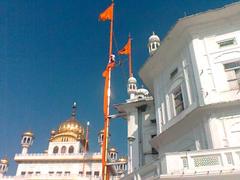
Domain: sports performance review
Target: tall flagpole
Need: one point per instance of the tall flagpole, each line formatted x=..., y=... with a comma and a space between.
x=130, y=56
x=107, y=93
x=86, y=145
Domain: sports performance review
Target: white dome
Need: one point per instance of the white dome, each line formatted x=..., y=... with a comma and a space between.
x=153, y=38
x=143, y=92
x=132, y=80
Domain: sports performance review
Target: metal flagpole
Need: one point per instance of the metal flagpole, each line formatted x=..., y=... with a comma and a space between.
x=130, y=56
x=86, y=146
x=107, y=93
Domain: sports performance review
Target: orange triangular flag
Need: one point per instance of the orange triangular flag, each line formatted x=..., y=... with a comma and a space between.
x=126, y=49
x=107, y=14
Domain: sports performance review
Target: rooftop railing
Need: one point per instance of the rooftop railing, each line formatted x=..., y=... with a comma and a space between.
x=214, y=161
x=52, y=176
x=66, y=156
x=57, y=154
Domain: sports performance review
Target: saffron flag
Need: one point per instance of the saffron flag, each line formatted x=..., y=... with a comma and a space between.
x=107, y=14
x=126, y=49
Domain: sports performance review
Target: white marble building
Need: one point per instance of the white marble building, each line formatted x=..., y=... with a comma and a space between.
x=194, y=77
x=67, y=156
x=141, y=125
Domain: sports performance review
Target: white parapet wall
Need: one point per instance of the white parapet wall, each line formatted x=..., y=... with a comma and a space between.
x=50, y=177
x=220, y=162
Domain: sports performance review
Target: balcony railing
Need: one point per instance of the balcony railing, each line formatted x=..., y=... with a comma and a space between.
x=220, y=161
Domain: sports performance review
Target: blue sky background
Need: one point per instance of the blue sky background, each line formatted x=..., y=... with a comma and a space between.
x=54, y=52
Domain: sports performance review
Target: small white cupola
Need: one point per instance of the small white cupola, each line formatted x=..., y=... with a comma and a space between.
x=122, y=165
x=27, y=140
x=100, y=138
x=132, y=87
x=3, y=166
x=153, y=43
x=142, y=93
x=112, y=153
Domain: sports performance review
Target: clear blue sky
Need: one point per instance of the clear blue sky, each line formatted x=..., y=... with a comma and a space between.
x=54, y=52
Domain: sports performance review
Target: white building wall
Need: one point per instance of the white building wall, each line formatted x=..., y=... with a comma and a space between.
x=210, y=58
x=76, y=145
x=200, y=73
x=133, y=132
x=211, y=117
x=225, y=127
x=186, y=137
x=164, y=86
x=149, y=129
x=45, y=168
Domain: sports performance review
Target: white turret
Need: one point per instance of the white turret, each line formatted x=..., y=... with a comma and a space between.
x=122, y=165
x=100, y=139
x=132, y=87
x=3, y=166
x=112, y=154
x=27, y=140
x=153, y=43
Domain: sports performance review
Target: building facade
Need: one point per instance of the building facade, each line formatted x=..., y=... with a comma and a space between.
x=67, y=156
x=193, y=76
x=139, y=112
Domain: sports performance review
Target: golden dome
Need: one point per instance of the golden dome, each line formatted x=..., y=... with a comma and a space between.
x=69, y=130
x=28, y=133
x=71, y=125
x=4, y=161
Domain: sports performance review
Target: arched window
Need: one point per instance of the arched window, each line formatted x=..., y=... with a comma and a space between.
x=63, y=149
x=71, y=149
x=134, y=87
x=153, y=46
x=28, y=140
x=24, y=139
x=55, y=150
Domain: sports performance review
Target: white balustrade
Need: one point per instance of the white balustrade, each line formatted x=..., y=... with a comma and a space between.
x=43, y=156
x=225, y=160
x=53, y=176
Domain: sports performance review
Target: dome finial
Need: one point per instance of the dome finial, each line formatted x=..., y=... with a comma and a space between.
x=74, y=109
